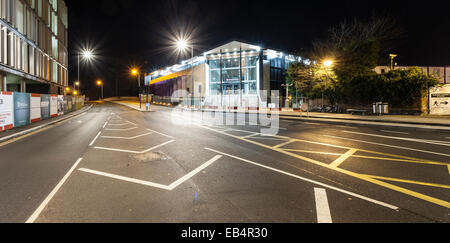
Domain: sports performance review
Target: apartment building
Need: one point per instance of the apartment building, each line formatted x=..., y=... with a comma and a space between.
x=33, y=46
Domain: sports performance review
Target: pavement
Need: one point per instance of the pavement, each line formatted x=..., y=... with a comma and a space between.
x=436, y=122
x=116, y=164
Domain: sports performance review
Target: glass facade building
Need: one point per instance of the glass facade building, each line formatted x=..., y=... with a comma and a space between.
x=229, y=75
x=33, y=46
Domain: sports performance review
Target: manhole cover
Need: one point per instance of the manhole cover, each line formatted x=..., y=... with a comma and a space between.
x=151, y=156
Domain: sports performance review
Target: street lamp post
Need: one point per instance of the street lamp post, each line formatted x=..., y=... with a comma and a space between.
x=87, y=55
x=328, y=64
x=136, y=72
x=182, y=45
x=100, y=83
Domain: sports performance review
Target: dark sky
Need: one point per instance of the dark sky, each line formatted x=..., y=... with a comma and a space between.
x=125, y=33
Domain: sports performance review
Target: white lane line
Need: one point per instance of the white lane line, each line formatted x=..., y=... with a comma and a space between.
x=322, y=207
x=405, y=133
x=156, y=185
x=93, y=141
x=106, y=123
x=128, y=138
x=123, y=178
x=161, y=134
x=434, y=142
x=44, y=204
x=308, y=180
x=386, y=145
x=127, y=129
x=135, y=152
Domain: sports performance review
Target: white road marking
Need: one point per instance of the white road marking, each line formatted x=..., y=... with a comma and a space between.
x=156, y=185
x=128, y=138
x=194, y=172
x=106, y=123
x=127, y=129
x=44, y=204
x=386, y=145
x=135, y=152
x=308, y=180
x=443, y=143
x=123, y=178
x=93, y=141
x=123, y=124
x=322, y=207
x=132, y=123
x=405, y=133
x=165, y=135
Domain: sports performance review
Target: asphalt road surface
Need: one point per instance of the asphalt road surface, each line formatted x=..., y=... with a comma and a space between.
x=114, y=164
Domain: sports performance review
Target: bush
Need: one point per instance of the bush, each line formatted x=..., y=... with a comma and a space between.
x=400, y=88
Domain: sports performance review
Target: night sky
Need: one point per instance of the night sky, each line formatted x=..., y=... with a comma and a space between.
x=126, y=33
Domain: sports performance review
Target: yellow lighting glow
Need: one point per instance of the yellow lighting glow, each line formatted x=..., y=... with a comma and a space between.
x=328, y=63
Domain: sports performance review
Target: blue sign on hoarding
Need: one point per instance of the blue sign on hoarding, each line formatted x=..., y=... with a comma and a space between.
x=21, y=109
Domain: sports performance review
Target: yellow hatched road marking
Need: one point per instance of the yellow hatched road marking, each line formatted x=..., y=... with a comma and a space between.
x=409, y=181
x=343, y=158
x=312, y=152
x=284, y=144
x=349, y=173
x=400, y=160
x=370, y=157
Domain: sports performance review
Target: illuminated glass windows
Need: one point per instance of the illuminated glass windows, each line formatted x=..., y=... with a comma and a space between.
x=249, y=75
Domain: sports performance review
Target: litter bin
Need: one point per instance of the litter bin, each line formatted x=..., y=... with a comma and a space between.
x=381, y=108
x=384, y=108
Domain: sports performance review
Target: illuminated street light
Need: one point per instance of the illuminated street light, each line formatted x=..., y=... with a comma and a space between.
x=87, y=55
x=100, y=83
x=182, y=45
x=328, y=63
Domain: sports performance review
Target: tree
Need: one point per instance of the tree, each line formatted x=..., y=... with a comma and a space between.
x=358, y=46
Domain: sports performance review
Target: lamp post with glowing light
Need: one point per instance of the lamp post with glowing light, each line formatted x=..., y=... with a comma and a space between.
x=183, y=45
x=87, y=55
x=327, y=64
x=135, y=72
x=100, y=83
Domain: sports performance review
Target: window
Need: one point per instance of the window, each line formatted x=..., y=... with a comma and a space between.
x=20, y=23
